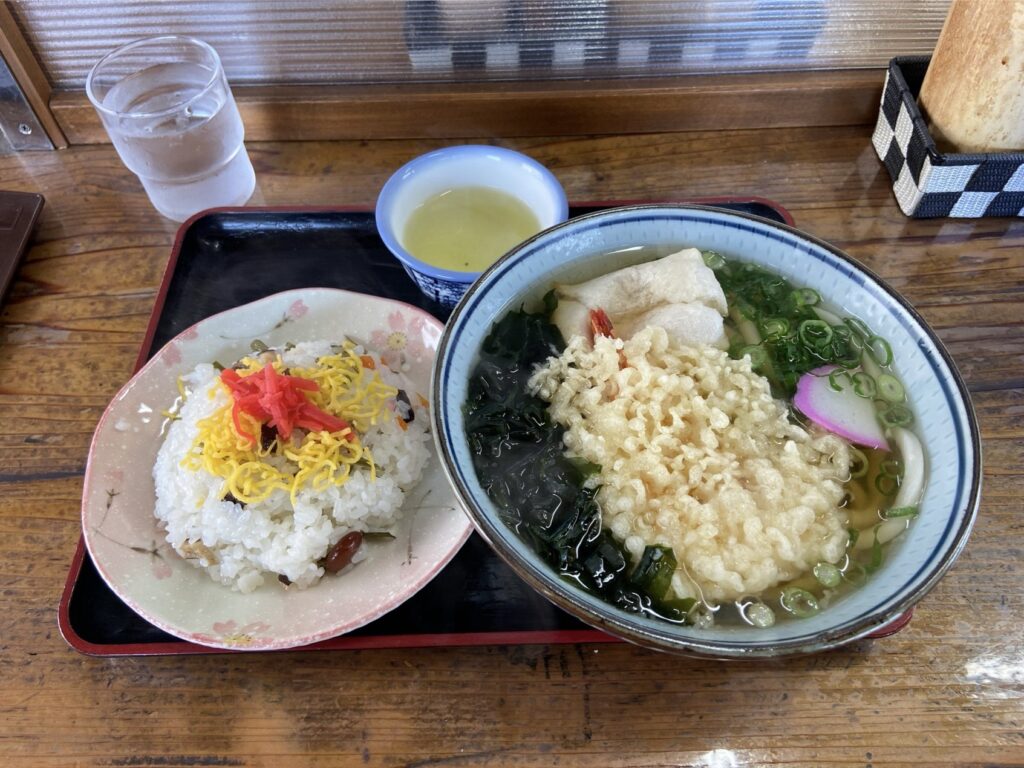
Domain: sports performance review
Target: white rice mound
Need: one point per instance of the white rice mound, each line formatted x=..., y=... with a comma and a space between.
x=695, y=454
x=240, y=546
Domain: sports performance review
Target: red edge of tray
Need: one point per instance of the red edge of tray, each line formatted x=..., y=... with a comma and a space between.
x=348, y=642
x=342, y=642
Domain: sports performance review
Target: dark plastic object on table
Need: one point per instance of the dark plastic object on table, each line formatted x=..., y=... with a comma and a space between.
x=228, y=258
x=18, y=214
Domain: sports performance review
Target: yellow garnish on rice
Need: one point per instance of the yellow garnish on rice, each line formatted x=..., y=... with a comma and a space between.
x=347, y=388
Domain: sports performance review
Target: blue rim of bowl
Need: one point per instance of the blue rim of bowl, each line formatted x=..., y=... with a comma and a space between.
x=391, y=186
x=610, y=619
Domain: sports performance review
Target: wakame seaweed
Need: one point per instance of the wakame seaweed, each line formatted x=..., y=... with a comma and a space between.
x=541, y=494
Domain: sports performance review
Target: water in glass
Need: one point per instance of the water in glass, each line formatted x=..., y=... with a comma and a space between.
x=187, y=159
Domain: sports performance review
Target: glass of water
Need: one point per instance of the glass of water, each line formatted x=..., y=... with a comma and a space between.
x=168, y=109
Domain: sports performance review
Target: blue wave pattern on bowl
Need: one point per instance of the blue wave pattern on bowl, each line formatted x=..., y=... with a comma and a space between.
x=945, y=419
x=445, y=292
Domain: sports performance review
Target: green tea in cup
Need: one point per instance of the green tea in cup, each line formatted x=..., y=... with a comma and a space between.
x=466, y=229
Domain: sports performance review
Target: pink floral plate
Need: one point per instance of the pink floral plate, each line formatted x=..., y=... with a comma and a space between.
x=128, y=547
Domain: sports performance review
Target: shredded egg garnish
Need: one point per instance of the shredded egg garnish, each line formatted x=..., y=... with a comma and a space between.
x=348, y=388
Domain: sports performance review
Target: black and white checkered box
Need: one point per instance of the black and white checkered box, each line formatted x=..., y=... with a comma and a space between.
x=927, y=183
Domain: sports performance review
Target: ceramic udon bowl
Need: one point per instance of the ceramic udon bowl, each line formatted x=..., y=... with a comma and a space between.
x=590, y=245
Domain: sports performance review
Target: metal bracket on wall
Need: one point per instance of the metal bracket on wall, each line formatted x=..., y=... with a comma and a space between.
x=19, y=126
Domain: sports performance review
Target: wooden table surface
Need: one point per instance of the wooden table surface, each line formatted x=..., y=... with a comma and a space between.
x=948, y=690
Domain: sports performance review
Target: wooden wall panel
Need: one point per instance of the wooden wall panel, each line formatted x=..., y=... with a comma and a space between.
x=595, y=107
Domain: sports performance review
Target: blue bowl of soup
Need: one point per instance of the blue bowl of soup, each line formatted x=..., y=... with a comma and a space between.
x=680, y=556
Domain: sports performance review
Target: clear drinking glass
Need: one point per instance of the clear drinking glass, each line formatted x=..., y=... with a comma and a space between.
x=168, y=109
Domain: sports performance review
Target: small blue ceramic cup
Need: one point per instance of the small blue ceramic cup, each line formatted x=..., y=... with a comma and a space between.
x=463, y=166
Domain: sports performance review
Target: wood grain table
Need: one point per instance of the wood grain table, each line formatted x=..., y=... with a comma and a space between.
x=948, y=690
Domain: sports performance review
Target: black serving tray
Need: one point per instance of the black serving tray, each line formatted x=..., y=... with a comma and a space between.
x=228, y=257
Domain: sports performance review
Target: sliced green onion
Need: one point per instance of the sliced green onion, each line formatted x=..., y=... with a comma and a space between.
x=887, y=485
x=898, y=513
x=758, y=356
x=879, y=350
x=890, y=389
x=835, y=379
x=839, y=329
x=864, y=385
x=713, y=259
x=876, y=554
x=855, y=573
x=897, y=416
x=759, y=614
x=774, y=328
x=815, y=333
x=799, y=602
x=849, y=360
x=844, y=351
x=701, y=616
x=854, y=535
x=892, y=466
x=858, y=462
x=258, y=346
x=827, y=575
x=788, y=350
x=806, y=297
x=859, y=327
